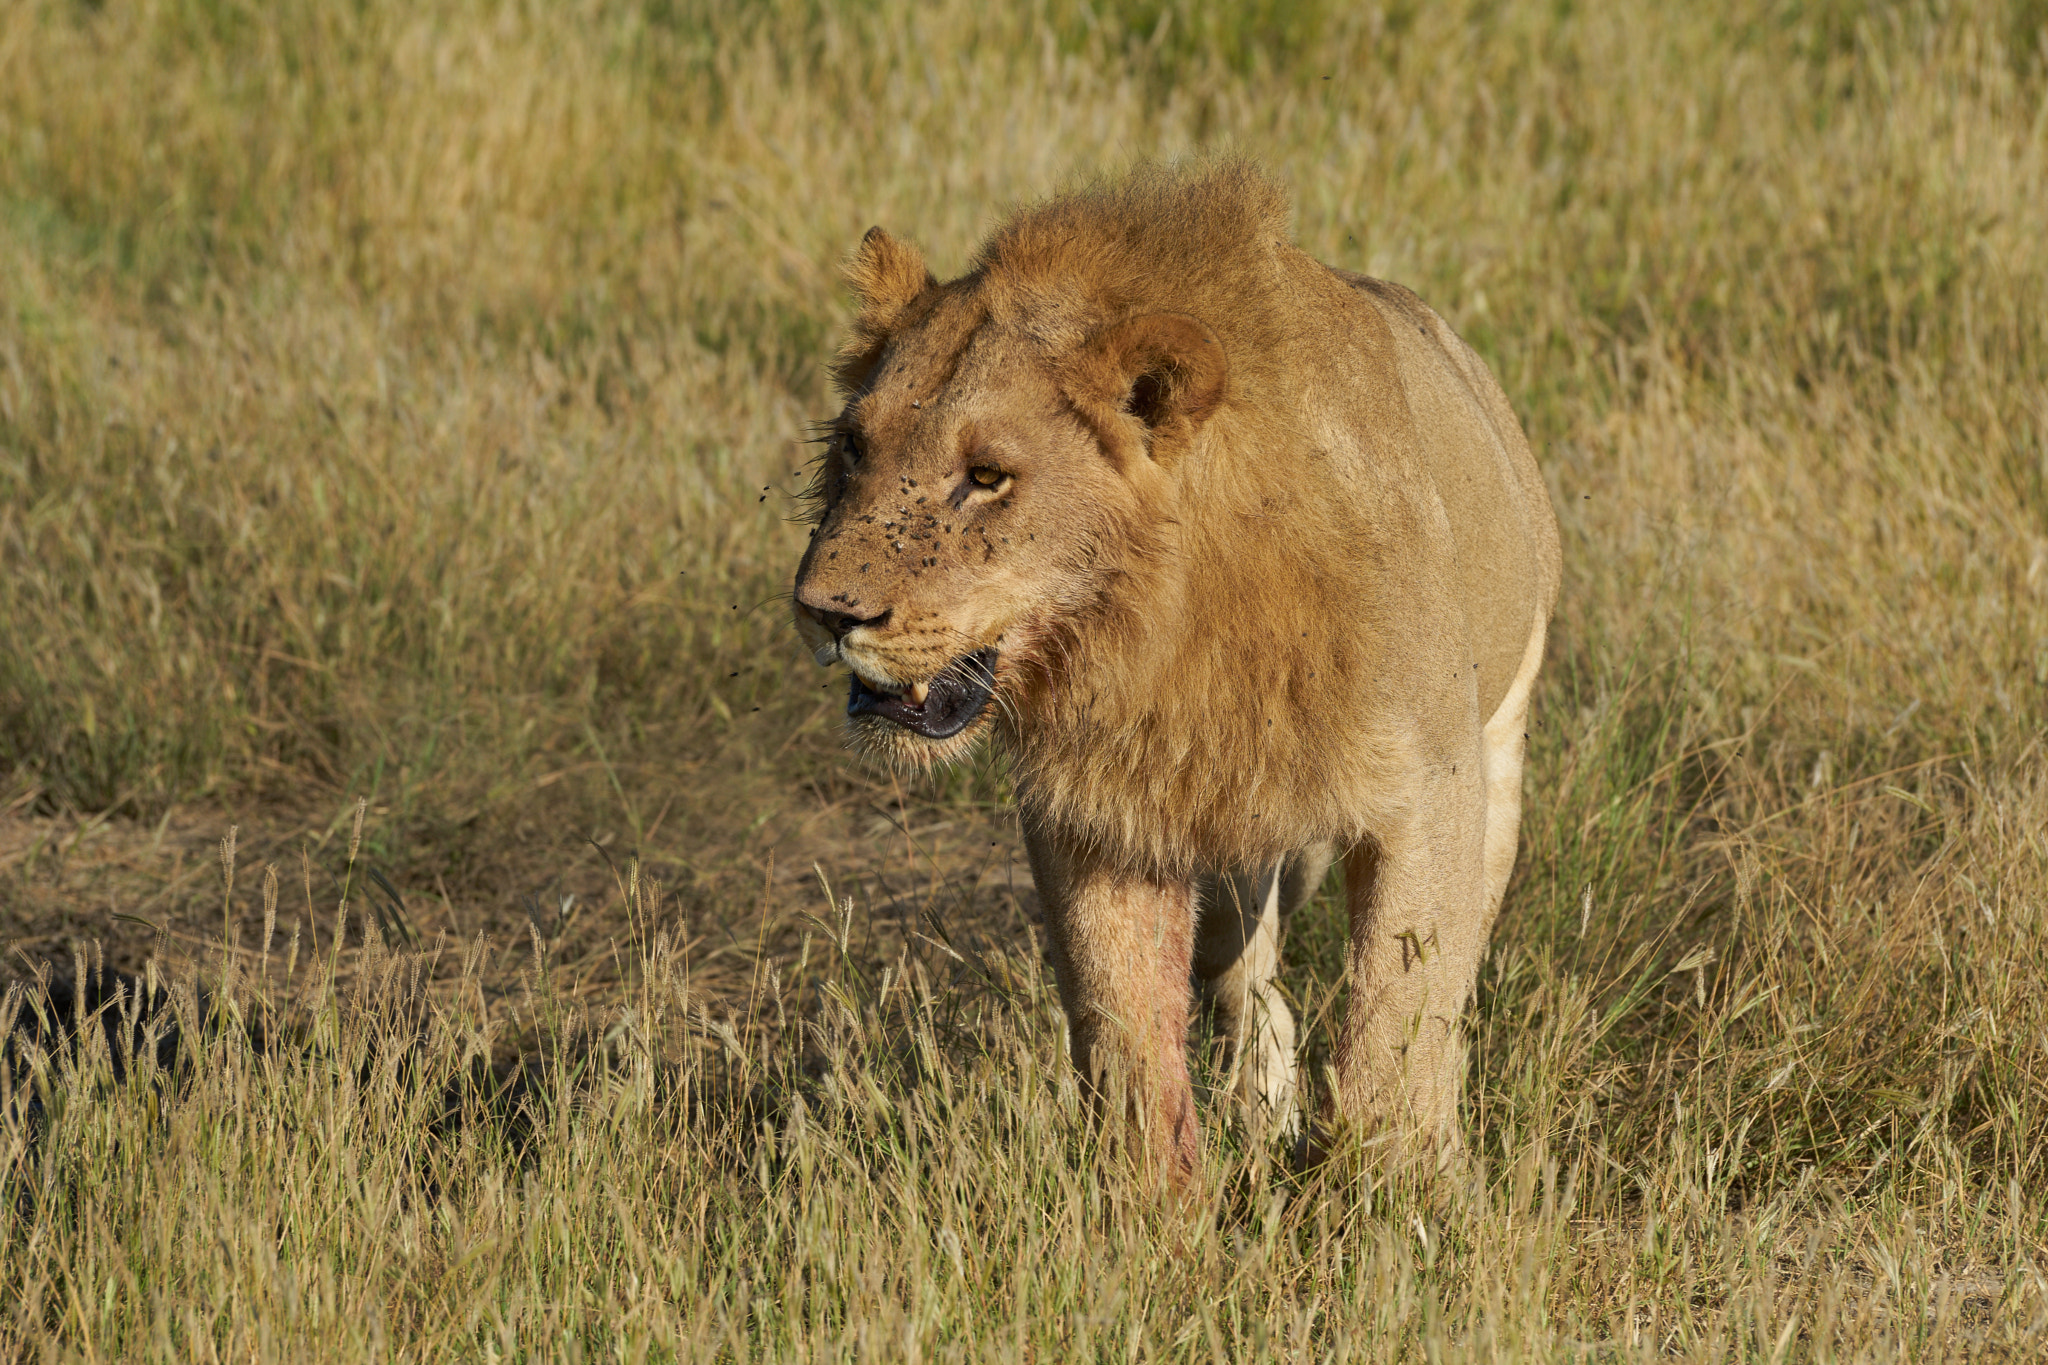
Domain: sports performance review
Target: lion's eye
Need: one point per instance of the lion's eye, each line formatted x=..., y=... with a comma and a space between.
x=986, y=475
x=850, y=448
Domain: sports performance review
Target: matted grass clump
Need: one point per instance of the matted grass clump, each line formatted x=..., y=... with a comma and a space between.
x=406, y=403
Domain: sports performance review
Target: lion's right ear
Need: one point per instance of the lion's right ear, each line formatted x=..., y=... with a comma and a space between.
x=887, y=275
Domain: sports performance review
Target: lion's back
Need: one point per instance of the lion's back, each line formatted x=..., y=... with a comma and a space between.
x=1471, y=447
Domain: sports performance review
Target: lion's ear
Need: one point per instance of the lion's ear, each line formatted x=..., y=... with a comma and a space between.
x=1167, y=370
x=887, y=275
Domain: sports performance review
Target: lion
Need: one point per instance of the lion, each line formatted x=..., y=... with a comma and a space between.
x=1246, y=564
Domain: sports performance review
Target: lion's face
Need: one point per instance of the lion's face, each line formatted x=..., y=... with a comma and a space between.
x=983, y=485
x=963, y=510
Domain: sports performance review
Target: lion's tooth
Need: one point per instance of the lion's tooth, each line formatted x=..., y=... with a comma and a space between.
x=916, y=693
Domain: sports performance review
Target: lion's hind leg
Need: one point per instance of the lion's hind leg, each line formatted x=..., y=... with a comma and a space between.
x=1506, y=738
x=1423, y=896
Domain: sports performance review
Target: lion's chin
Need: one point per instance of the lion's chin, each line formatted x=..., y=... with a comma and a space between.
x=907, y=752
x=937, y=728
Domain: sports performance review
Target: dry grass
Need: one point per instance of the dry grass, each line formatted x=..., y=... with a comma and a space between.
x=402, y=402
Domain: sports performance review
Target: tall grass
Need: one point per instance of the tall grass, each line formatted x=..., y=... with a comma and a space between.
x=430, y=363
x=403, y=401
x=900, y=1166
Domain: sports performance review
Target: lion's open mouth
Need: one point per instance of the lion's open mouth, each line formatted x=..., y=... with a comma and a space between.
x=951, y=700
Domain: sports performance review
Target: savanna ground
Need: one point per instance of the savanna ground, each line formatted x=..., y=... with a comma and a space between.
x=401, y=404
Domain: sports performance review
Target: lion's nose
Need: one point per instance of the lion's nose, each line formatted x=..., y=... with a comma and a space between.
x=840, y=622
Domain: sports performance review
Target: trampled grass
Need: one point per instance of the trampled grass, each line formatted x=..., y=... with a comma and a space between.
x=402, y=403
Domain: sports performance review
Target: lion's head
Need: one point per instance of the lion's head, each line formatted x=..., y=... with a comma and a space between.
x=988, y=478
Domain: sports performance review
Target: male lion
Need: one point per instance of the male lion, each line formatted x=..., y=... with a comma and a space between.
x=1245, y=561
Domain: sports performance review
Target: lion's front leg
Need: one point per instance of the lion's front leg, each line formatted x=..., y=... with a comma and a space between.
x=1242, y=923
x=1122, y=947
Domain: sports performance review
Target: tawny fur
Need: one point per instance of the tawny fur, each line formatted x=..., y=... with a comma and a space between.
x=1268, y=571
